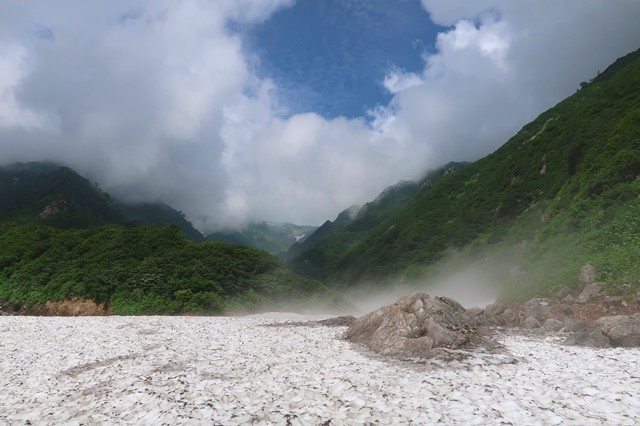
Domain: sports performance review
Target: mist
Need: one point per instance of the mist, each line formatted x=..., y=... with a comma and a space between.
x=472, y=282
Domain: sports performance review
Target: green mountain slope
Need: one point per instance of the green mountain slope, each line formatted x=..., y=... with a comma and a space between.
x=564, y=190
x=159, y=214
x=326, y=248
x=61, y=237
x=144, y=271
x=274, y=238
x=328, y=228
x=59, y=196
x=55, y=194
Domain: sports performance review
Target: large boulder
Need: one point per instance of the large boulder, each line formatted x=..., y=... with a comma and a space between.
x=415, y=326
x=588, y=292
x=537, y=309
x=622, y=330
x=616, y=331
x=531, y=323
x=552, y=324
x=510, y=317
x=573, y=324
x=587, y=274
x=591, y=336
x=494, y=309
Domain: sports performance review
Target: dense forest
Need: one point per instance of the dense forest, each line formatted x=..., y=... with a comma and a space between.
x=61, y=237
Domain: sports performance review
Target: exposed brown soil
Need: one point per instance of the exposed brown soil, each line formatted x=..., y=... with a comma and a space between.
x=598, y=308
x=71, y=308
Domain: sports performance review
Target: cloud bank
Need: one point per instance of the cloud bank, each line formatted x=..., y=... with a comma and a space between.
x=158, y=100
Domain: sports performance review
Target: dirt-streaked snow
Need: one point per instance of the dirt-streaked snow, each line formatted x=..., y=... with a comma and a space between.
x=202, y=370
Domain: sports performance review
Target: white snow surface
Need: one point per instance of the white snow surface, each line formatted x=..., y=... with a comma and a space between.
x=220, y=370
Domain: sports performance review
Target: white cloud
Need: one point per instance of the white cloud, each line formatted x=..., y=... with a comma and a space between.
x=501, y=63
x=305, y=166
x=13, y=69
x=397, y=81
x=155, y=99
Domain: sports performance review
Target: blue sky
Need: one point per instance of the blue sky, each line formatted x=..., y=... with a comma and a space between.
x=331, y=56
x=286, y=110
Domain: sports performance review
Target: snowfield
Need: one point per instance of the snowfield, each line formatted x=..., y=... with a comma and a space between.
x=215, y=370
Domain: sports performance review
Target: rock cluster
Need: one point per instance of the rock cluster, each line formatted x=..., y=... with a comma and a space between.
x=414, y=326
x=595, y=323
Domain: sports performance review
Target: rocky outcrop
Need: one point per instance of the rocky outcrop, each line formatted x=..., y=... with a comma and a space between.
x=589, y=317
x=415, y=326
x=53, y=208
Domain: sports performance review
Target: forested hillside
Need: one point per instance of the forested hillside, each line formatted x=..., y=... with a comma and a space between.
x=274, y=238
x=326, y=248
x=159, y=214
x=61, y=237
x=143, y=270
x=562, y=192
x=55, y=194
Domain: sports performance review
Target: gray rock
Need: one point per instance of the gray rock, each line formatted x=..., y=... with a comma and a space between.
x=475, y=312
x=414, y=326
x=487, y=321
x=562, y=292
x=614, y=302
x=589, y=291
x=552, y=324
x=566, y=309
x=539, y=331
x=590, y=335
x=510, y=317
x=569, y=299
x=573, y=324
x=587, y=274
x=494, y=309
x=536, y=308
x=622, y=330
x=531, y=323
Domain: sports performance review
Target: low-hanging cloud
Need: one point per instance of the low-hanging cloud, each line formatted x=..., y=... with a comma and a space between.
x=159, y=100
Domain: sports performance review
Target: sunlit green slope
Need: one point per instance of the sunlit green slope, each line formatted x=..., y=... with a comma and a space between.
x=563, y=191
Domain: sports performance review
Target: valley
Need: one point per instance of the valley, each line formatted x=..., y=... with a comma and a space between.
x=320, y=213
x=518, y=223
